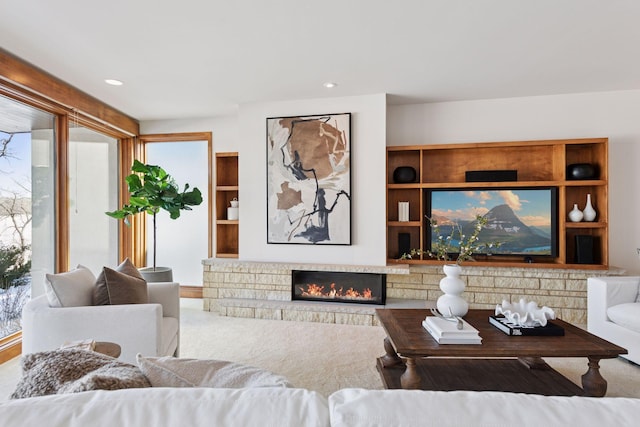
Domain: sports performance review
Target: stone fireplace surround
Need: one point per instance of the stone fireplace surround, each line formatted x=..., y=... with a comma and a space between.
x=263, y=290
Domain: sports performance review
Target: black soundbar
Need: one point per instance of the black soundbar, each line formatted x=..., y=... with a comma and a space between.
x=491, y=176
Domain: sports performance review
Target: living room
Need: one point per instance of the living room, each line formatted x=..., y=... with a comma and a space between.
x=570, y=84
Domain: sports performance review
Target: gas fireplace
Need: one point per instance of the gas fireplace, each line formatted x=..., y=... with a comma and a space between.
x=337, y=286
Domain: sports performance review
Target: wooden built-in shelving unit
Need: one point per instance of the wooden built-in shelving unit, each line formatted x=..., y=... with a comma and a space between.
x=538, y=164
x=226, y=190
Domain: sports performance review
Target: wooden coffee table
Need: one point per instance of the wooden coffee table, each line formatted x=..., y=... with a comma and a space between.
x=414, y=360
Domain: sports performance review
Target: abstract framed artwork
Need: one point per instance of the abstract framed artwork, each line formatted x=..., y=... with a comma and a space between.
x=309, y=179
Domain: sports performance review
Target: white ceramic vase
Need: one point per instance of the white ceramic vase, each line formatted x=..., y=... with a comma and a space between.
x=589, y=212
x=576, y=214
x=452, y=286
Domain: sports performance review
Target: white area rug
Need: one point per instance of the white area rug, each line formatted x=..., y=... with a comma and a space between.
x=318, y=356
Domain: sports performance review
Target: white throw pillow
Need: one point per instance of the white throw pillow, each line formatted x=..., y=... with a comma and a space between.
x=71, y=289
x=177, y=372
x=626, y=315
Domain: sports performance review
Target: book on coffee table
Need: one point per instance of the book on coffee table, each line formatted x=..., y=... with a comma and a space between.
x=502, y=323
x=446, y=332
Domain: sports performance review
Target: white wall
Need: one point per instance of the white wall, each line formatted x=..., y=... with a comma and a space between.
x=246, y=134
x=368, y=129
x=605, y=114
x=224, y=129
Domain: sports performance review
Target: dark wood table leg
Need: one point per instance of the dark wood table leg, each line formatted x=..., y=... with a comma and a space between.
x=592, y=382
x=390, y=358
x=410, y=379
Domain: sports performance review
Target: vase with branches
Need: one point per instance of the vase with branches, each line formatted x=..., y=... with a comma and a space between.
x=456, y=242
x=151, y=190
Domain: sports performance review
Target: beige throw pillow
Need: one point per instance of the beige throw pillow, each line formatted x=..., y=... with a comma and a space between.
x=177, y=372
x=124, y=285
x=71, y=289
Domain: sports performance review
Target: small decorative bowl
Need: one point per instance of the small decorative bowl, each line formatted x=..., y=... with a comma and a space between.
x=404, y=175
x=581, y=171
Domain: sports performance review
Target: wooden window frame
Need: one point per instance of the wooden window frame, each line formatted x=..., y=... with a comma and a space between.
x=139, y=224
x=25, y=83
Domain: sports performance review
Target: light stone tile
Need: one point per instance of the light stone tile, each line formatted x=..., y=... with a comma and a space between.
x=409, y=286
x=508, y=273
x=432, y=279
x=481, y=281
x=217, y=277
x=308, y=316
x=273, y=279
x=477, y=306
x=240, y=293
x=267, y=313
x=491, y=298
x=247, y=312
x=405, y=278
x=278, y=296
x=572, y=294
x=209, y=293
x=433, y=295
x=575, y=317
x=552, y=284
x=407, y=293
x=577, y=285
x=354, y=319
x=258, y=287
x=517, y=283
x=239, y=278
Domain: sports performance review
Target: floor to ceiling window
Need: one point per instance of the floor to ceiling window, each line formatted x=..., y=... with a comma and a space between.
x=58, y=175
x=27, y=206
x=183, y=243
x=92, y=191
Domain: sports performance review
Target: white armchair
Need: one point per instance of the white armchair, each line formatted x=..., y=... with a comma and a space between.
x=152, y=329
x=614, y=312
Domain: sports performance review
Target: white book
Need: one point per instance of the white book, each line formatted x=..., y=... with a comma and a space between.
x=469, y=337
x=446, y=328
x=476, y=340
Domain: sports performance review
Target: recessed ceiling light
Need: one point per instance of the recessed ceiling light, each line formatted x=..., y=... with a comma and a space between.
x=329, y=85
x=113, y=82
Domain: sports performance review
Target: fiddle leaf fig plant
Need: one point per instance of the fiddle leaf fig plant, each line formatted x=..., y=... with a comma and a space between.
x=152, y=189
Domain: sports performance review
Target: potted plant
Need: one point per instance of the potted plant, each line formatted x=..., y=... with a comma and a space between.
x=152, y=189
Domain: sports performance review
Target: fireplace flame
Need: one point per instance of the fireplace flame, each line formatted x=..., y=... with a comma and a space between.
x=314, y=290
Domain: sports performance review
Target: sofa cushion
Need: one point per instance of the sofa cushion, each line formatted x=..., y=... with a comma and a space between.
x=70, y=370
x=626, y=315
x=122, y=285
x=358, y=407
x=178, y=372
x=164, y=407
x=71, y=289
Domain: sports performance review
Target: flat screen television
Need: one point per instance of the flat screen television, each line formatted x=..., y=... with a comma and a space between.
x=522, y=220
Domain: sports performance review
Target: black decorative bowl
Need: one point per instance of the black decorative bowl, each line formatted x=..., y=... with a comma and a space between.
x=581, y=171
x=404, y=175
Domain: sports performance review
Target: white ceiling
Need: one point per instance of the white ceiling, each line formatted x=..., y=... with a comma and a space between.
x=201, y=58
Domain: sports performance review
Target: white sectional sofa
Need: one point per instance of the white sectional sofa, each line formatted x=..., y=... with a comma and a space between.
x=614, y=312
x=281, y=406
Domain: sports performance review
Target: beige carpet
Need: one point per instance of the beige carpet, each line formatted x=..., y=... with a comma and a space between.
x=317, y=356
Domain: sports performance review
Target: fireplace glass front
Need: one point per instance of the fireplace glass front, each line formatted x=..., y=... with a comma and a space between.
x=338, y=286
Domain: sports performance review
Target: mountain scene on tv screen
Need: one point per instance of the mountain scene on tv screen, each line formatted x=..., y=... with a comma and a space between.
x=504, y=226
